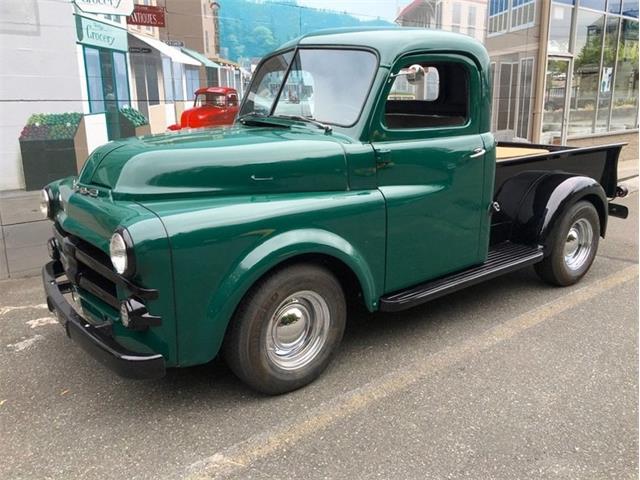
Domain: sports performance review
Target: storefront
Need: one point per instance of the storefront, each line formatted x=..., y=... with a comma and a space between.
x=591, y=84
x=103, y=59
x=161, y=74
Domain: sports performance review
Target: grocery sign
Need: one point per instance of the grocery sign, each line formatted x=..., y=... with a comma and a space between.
x=147, y=15
x=108, y=7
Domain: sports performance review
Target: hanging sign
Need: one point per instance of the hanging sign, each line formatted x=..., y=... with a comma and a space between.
x=108, y=7
x=147, y=15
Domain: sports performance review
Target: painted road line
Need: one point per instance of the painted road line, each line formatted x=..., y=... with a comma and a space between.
x=235, y=458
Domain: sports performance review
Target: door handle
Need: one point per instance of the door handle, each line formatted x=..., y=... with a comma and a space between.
x=382, y=157
x=478, y=152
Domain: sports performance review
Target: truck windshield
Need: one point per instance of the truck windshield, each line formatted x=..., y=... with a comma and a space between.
x=209, y=99
x=327, y=85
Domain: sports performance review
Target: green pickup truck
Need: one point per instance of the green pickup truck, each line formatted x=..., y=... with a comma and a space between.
x=360, y=168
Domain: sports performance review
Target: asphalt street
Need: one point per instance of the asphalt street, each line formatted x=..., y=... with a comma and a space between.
x=511, y=379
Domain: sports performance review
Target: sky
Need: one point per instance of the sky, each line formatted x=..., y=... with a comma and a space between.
x=366, y=9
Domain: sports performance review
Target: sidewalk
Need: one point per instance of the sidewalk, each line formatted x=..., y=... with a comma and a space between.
x=23, y=232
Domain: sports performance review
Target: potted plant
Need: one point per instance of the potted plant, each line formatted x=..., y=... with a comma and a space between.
x=47, y=144
x=133, y=123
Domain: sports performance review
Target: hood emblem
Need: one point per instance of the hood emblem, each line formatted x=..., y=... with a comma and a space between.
x=91, y=192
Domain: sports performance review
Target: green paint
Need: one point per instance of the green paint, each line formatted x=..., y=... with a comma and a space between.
x=212, y=211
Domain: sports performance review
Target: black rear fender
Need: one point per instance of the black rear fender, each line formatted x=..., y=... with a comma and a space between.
x=532, y=202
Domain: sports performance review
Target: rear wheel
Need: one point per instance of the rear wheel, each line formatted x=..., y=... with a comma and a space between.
x=286, y=331
x=573, y=243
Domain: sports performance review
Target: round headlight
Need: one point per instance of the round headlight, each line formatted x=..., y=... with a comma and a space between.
x=120, y=251
x=45, y=203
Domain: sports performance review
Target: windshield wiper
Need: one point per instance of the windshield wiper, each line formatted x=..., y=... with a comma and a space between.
x=258, y=118
x=312, y=121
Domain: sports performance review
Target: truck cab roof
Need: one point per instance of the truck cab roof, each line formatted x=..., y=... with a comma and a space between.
x=393, y=42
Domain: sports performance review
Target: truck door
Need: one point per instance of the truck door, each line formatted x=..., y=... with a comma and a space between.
x=431, y=169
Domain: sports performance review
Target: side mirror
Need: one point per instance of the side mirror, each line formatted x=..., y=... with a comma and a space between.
x=415, y=73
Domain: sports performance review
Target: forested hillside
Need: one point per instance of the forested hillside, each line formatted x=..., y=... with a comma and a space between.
x=251, y=28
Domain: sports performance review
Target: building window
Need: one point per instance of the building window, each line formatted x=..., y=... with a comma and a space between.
x=206, y=41
x=624, y=114
x=522, y=13
x=471, y=21
x=193, y=80
x=178, y=81
x=586, y=72
x=560, y=28
x=630, y=8
x=455, y=17
x=498, y=15
x=610, y=49
x=507, y=96
x=524, y=97
x=166, y=79
x=554, y=98
x=145, y=70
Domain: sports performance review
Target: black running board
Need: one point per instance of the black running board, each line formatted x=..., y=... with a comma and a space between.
x=503, y=258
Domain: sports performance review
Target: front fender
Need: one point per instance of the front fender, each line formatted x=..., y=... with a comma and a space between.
x=272, y=253
x=547, y=198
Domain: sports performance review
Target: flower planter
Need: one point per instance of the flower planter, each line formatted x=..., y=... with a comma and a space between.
x=48, y=148
x=133, y=123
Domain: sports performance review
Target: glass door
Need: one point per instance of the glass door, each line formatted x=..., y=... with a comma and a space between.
x=108, y=86
x=555, y=115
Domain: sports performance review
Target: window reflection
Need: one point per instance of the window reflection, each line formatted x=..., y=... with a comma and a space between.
x=586, y=72
x=625, y=99
x=559, y=28
x=606, y=77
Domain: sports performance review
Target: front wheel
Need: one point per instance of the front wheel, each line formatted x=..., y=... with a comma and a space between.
x=287, y=328
x=573, y=243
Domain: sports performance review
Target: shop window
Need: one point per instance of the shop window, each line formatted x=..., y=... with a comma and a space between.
x=560, y=28
x=524, y=101
x=94, y=80
x=624, y=114
x=554, y=99
x=166, y=79
x=610, y=45
x=212, y=77
x=145, y=71
x=178, y=81
x=121, y=77
x=586, y=72
x=630, y=8
x=593, y=4
x=440, y=99
x=193, y=80
x=614, y=6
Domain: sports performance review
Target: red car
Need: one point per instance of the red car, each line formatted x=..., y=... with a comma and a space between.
x=213, y=106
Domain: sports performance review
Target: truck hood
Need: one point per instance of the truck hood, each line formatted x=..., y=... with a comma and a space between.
x=223, y=161
x=200, y=116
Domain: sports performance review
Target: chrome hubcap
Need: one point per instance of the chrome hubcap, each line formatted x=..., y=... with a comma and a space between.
x=578, y=243
x=298, y=330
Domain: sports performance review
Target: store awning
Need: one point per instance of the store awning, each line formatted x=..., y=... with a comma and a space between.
x=200, y=57
x=171, y=52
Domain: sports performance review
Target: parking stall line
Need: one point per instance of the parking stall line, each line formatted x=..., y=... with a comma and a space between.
x=236, y=458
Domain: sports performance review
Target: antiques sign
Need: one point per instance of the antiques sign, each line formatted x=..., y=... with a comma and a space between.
x=148, y=15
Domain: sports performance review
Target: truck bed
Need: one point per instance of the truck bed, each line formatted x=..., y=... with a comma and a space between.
x=599, y=163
